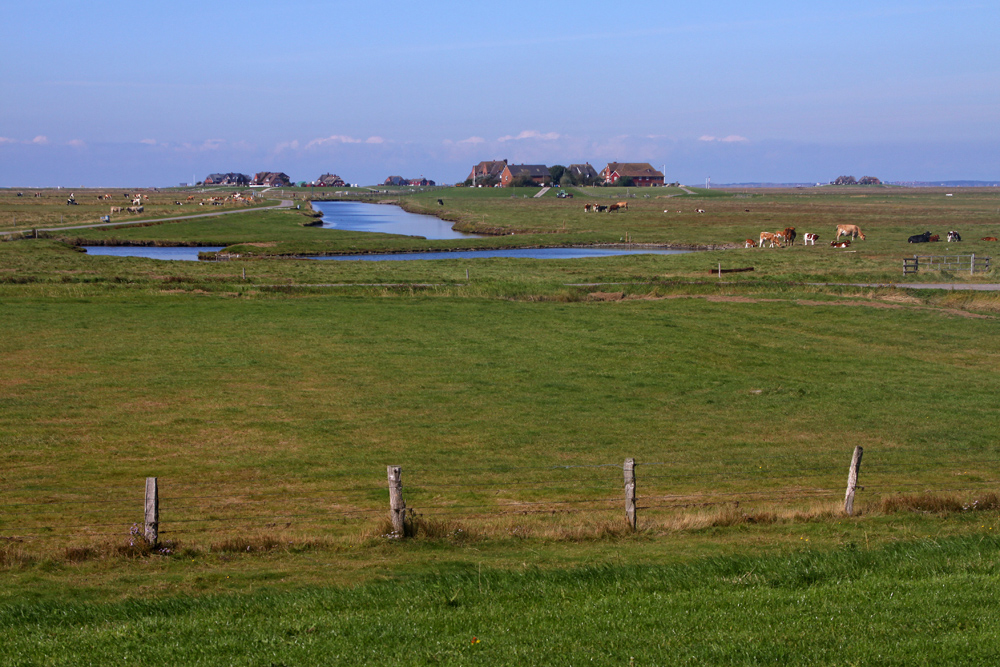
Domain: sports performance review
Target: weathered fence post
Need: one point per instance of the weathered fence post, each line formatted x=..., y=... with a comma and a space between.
x=397, y=507
x=852, y=480
x=972, y=265
x=630, y=514
x=152, y=528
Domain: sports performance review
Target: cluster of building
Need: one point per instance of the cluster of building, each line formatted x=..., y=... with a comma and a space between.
x=399, y=180
x=272, y=179
x=500, y=173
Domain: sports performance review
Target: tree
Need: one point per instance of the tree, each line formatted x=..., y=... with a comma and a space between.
x=845, y=180
x=869, y=180
x=625, y=182
x=566, y=179
x=556, y=172
x=524, y=180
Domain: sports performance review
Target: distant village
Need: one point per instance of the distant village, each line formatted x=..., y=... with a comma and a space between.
x=488, y=173
x=502, y=174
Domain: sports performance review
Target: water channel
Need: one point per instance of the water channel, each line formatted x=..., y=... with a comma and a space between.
x=387, y=219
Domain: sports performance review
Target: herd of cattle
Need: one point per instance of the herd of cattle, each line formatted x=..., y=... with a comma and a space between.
x=597, y=208
x=788, y=235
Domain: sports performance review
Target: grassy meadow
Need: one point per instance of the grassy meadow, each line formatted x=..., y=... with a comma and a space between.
x=25, y=209
x=269, y=403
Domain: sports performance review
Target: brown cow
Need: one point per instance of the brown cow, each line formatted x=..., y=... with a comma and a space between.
x=934, y=238
x=840, y=244
x=613, y=207
x=769, y=238
x=622, y=204
x=989, y=238
x=789, y=235
x=850, y=230
x=749, y=243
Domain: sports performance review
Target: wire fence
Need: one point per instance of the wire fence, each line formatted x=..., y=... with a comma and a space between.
x=345, y=505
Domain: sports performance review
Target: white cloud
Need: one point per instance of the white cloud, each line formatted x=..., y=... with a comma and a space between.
x=287, y=145
x=374, y=140
x=76, y=143
x=473, y=141
x=148, y=142
x=333, y=139
x=732, y=138
x=41, y=139
x=531, y=134
x=7, y=140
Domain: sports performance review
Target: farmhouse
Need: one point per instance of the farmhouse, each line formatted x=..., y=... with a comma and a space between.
x=641, y=173
x=538, y=173
x=227, y=179
x=487, y=172
x=582, y=174
x=329, y=181
x=272, y=179
x=422, y=182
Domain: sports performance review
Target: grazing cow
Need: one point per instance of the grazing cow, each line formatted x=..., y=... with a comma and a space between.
x=190, y=197
x=749, y=244
x=789, y=235
x=810, y=239
x=989, y=238
x=919, y=238
x=954, y=236
x=613, y=207
x=746, y=210
x=116, y=209
x=440, y=202
x=934, y=239
x=602, y=209
x=71, y=202
x=622, y=205
x=20, y=194
x=587, y=208
x=699, y=210
x=769, y=238
x=850, y=230
x=134, y=209
x=840, y=244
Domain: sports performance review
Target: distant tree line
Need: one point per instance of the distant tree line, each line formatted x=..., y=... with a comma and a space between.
x=849, y=180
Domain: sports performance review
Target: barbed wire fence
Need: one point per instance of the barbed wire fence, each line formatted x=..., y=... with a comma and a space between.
x=631, y=496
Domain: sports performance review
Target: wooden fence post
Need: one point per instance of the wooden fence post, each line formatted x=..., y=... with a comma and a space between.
x=972, y=263
x=152, y=527
x=397, y=507
x=630, y=514
x=852, y=480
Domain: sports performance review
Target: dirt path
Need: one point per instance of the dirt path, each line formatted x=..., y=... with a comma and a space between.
x=285, y=203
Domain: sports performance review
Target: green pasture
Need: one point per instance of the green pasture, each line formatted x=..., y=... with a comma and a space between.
x=926, y=602
x=268, y=394
x=50, y=210
x=888, y=216
x=299, y=393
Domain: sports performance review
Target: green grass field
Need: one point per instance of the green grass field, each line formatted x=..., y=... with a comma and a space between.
x=269, y=407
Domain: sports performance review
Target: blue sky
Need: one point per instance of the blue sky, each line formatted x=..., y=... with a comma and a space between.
x=129, y=94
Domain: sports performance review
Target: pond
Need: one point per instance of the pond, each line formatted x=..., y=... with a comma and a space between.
x=191, y=254
x=530, y=253
x=150, y=252
x=356, y=216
